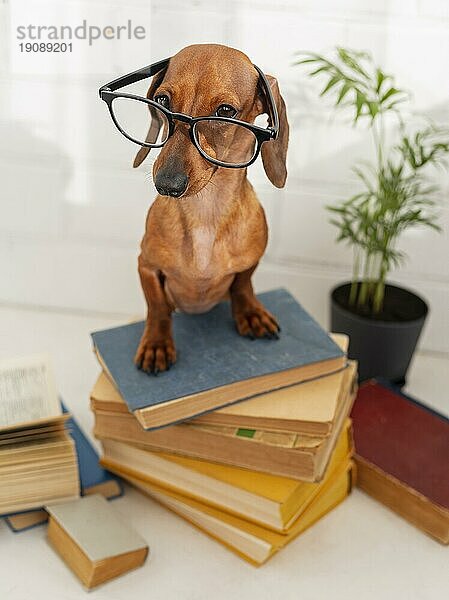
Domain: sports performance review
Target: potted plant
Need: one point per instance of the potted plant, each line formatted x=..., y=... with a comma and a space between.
x=383, y=321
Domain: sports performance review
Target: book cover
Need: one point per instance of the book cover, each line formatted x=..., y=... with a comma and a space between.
x=93, y=477
x=402, y=452
x=211, y=355
x=93, y=540
x=92, y=473
x=96, y=527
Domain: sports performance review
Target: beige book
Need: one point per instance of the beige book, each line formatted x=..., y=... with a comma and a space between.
x=38, y=461
x=35, y=472
x=308, y=407
x=93, y=540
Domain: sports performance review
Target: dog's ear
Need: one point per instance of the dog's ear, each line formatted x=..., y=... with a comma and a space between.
x=274, y=152
x=156, y=121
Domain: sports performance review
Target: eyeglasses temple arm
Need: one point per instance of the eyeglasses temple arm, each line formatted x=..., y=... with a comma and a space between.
x=135, y=76
x=274, y=117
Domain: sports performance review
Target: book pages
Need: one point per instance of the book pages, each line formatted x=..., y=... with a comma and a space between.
x=27, y=390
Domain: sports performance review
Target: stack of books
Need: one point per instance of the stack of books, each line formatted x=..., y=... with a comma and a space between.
x=38, y=461
x=44, y=455
x=37, y=465
x=248, y=440
x=93, y=479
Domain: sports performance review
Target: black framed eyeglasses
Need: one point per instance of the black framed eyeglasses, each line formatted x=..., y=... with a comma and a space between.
x=223, y=141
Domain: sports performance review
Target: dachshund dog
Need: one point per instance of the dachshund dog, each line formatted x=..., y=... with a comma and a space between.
x=206, y=231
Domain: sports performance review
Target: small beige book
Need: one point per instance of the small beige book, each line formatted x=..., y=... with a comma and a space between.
x=93, y=540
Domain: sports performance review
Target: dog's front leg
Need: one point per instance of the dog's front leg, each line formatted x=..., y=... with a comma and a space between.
x=252, y=319
x=156, y=351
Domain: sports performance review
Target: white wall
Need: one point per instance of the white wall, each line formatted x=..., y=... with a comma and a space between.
x=73, y=209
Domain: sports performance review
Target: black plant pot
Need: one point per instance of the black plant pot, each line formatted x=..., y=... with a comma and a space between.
x=383, y=346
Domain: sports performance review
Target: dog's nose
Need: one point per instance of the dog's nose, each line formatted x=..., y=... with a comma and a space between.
x=171, y=184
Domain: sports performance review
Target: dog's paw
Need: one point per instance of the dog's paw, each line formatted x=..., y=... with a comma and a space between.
x=257, y=322
x=155, y=356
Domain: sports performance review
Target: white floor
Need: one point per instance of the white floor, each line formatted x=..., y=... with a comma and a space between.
x=360, y=550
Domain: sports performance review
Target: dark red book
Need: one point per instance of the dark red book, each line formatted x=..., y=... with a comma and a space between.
x=402, y=456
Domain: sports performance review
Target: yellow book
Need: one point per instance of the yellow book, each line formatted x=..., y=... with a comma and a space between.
x=273, y=501
x=250, y=541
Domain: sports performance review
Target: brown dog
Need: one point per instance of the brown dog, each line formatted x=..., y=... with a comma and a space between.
x=206, y=231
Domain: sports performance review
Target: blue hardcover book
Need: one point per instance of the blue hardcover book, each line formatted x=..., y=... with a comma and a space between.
x=216, y=366
x=93, y=479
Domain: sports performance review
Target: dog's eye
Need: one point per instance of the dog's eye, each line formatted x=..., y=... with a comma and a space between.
x=163, y=100
x=226, y=110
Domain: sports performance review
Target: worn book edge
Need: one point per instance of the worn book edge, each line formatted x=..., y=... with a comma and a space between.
x=194, y=405
x=404, y=500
